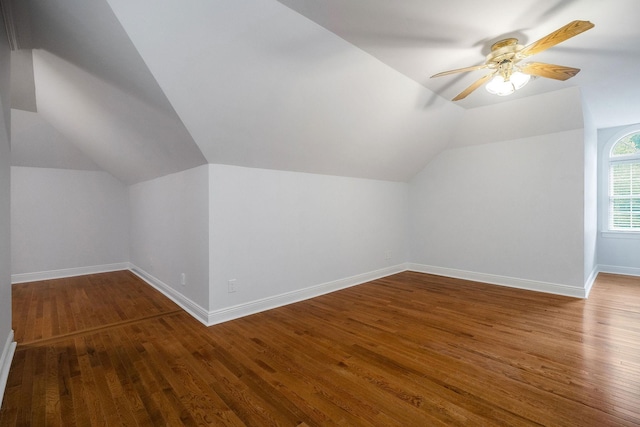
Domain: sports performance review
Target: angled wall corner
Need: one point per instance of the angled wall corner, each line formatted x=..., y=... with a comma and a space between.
x=278, y=236
x=169, y=237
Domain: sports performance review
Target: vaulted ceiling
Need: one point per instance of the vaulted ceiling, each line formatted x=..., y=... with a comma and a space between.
x=141, y=88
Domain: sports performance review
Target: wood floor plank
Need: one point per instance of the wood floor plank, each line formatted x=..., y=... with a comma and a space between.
x=410, y=389
x=409, y=349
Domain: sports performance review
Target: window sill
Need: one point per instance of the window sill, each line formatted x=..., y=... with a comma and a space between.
x=620, y=234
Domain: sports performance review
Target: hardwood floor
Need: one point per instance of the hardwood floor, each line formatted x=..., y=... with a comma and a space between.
x=407, y=350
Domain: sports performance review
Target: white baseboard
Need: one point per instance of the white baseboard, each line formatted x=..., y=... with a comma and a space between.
x=68, y=272
x=185, y=303
x=614, y=269
x=591, y=280
x=531, y=285
x=213, y=317
x=256, y=306
x=6, y=358
x=209, y=318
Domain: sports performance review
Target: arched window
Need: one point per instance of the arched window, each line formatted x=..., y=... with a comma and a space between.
x=624, y=183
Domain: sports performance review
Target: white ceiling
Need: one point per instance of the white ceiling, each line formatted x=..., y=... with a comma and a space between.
x=420, y=38
x=144, y=88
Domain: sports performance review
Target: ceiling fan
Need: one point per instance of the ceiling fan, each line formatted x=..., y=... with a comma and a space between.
x=508, y=75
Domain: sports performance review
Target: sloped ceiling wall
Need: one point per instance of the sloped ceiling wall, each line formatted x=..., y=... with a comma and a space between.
x=93, y=88
x=258, y=85
x=125, y=136
x=88, y=35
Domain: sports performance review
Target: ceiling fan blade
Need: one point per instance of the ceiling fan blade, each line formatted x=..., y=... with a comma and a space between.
x=461, y=70
x=549, y=71
x=475, y=85
x=558, y=36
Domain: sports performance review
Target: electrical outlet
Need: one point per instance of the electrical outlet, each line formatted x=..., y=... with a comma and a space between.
x=232, y=285
x=183, y=279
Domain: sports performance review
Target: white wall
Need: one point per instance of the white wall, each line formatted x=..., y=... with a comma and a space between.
x=170, y=235
x=617, y=253
x=278, y=232
x=506, y=203
x=512, y=209
x=7, y=345
x=66, y=220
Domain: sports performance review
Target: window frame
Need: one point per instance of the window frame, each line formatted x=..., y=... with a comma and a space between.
x=606, y=231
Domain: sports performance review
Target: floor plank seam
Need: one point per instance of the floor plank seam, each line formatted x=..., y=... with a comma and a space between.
x=57, y=338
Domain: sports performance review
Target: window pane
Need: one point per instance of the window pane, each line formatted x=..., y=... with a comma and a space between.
x=630, y=144
x=624, y=184
x=621, y=179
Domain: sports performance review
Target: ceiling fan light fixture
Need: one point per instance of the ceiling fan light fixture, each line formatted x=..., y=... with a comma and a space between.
x=519, y=79
x=499, y=86
x=503, y=87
